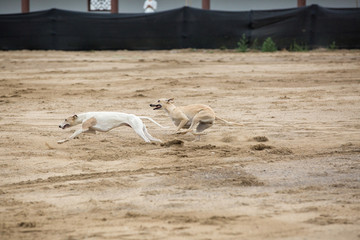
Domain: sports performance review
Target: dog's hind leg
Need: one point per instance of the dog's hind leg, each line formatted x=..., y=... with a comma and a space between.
x=202, y=126
x=149, y=136
x=141, y=133
x=203, y=119
x=137, y=125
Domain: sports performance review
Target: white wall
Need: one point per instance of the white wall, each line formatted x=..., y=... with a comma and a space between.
x=135, y=6
x=335, y=3
x=14, y=6
x=74, y=5
x=10, y=6
x=246, y=5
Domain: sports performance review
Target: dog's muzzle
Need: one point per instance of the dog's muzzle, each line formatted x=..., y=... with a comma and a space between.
x=156, y=106
x=64, y=126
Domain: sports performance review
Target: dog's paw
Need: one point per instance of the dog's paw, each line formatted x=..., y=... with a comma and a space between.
x=61, y=141
x=179, y=132
x=199, y=133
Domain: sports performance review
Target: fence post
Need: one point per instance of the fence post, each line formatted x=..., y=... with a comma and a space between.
x=301, y=3
x=25, y=6
x=114, y=6
x=206, y=4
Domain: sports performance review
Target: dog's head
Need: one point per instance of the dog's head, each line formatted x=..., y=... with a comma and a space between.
x=161, y=103
x=69, y=122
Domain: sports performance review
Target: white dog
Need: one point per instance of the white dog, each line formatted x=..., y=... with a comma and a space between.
x=105, y=121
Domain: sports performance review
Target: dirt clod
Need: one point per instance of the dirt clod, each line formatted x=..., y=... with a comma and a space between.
x=175, y=142
x=260, y=147
x=27, y=224
x=261, y=139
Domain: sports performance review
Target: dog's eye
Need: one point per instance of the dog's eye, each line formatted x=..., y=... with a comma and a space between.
x=158, y=100
x=65, y=120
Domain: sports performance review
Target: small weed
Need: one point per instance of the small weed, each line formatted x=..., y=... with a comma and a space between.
x=333, y=46
x=242, y=44
x=255, y=44
x=298, y=48
x=223, y=48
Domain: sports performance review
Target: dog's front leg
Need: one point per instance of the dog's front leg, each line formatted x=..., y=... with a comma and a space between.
x=74, y=135
x=62, y=141
x=181, y=125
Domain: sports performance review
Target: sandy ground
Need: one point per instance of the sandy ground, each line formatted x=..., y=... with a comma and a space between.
x=303, y=183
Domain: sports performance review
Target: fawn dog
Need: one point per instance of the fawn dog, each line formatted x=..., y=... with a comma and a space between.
x=194, y=115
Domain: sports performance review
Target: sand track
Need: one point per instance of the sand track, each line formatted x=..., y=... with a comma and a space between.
x=290, y=172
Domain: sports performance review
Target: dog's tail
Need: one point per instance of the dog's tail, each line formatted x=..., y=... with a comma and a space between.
x=227, y=122
x=152, y=120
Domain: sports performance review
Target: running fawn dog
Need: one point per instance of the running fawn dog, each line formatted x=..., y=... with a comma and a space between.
x=192, y=116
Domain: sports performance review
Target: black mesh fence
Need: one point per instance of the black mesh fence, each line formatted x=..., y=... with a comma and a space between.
x=312, y=26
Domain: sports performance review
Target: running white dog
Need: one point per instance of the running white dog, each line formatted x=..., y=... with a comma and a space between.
x=105, y=121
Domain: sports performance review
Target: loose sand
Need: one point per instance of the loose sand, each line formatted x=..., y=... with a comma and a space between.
x=292, y=170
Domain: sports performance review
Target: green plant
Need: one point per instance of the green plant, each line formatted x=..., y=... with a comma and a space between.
x=242, y=44
x=333, y=46
x=268, y=45
x=298, y=48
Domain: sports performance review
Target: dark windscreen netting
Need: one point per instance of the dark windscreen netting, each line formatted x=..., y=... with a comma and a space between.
x=55, y=29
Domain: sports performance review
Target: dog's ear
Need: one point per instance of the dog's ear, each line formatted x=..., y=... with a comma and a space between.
x=75, y=116
x=170, y=100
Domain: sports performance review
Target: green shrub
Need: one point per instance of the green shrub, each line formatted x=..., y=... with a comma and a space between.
x=242, y=44
x=268, y=45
